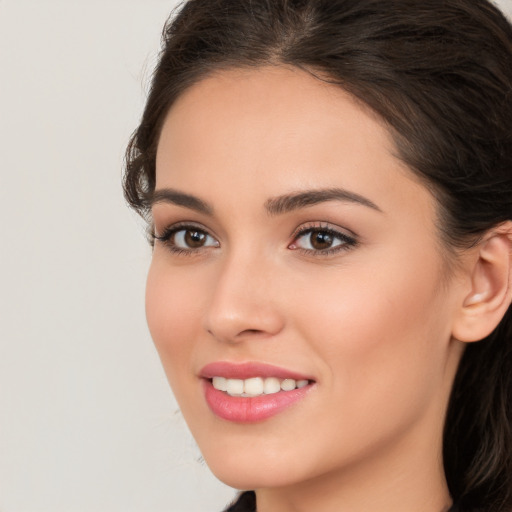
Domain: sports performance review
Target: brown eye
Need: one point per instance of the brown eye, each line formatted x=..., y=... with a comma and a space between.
x=190, y=238
x=318, y=240
x=321, y=240
x=194, y=238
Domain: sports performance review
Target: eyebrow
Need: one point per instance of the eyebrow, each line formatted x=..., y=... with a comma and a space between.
x=169, y=195
x=274, y=206
x=295, y=201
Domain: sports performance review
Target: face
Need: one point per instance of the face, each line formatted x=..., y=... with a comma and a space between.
x=294, y=251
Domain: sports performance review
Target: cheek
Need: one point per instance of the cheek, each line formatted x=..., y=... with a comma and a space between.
x=172, y=317
x=380, y=329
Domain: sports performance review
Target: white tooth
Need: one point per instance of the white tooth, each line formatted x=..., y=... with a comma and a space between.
x=302, y=383
x=219, y=383
x=235, y=386
x=254, y=386
x=271, y=385
x=288, y=384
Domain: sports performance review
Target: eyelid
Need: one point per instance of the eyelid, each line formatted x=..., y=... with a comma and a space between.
x=175, y=226
x=323, y=225
x=182, y=224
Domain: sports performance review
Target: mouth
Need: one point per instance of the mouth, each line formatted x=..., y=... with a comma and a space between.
x=252, y=392
x=256, y=386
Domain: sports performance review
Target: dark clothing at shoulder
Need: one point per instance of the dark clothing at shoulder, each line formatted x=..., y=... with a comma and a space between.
x=246, y=502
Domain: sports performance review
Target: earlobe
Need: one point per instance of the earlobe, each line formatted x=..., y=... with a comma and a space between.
x=490, y=295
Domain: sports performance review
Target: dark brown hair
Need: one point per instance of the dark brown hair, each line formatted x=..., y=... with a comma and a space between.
x=439, y=74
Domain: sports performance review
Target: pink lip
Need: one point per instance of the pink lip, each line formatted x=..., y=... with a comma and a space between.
x=248, y=370
x=250, y=409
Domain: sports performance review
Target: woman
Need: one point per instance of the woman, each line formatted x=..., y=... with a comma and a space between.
x=328, y=187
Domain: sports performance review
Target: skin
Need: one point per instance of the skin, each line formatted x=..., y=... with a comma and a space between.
x=372, y=323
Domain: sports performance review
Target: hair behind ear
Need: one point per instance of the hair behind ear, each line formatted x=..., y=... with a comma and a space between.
x=478, y=430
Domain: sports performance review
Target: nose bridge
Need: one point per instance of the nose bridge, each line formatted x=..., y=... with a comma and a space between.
x=242, y=302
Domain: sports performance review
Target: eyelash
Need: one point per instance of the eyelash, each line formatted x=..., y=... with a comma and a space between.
x=347, y=242
x=167, y=238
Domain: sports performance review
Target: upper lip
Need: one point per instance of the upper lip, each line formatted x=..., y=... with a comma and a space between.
x=248, y=370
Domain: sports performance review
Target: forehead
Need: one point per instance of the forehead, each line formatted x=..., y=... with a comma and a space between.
x=274, y=130
x=278, y=105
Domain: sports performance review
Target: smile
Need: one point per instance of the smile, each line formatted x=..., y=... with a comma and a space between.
x=251, y=392
x=256, y=386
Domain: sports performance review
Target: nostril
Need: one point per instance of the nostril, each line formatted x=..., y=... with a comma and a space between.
x=237, y=320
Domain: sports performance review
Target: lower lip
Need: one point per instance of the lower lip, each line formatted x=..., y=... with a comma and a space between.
x=240, y=409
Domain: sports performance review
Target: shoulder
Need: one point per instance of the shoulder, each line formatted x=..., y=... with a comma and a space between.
x=246, y=502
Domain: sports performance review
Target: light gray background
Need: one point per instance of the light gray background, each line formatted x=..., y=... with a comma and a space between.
x=87, y=422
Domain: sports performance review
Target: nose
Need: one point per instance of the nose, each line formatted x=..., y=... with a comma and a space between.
x=244, y=303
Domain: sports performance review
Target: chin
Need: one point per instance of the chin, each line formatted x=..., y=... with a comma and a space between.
x=243, y=477
x=250, y=470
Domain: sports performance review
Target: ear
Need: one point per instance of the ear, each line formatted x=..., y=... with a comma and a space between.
x=489, y=275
